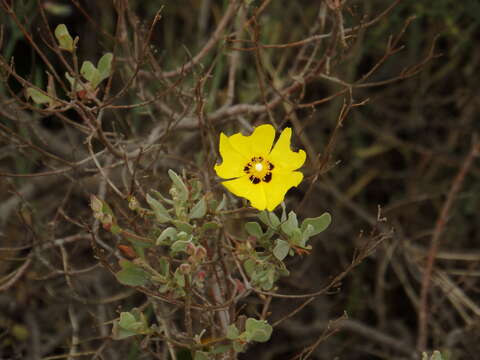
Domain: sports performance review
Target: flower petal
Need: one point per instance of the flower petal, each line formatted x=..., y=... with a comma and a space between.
x=276, y=189
x=232, y=161
x=262, y=139
x=241, y=144
x=243, y=187
x=259, y=143
x=283, y=155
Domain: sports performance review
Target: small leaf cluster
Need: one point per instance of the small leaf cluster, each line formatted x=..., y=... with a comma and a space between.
x=179, y=225
x=84, y=84
x=264, y=254
x=41, y=97
x=103, y=212
x=255, y=330
x=130, y=324
x=93, y=75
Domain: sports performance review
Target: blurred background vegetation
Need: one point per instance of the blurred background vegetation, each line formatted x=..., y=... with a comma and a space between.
x=384, y=153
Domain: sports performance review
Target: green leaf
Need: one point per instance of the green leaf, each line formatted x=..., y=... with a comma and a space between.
x=64, y=39
x=179, y=246
x=201, y=355
x=199, y=210
x=104, y=66
x=183, y=226
x=319, y=223
x=258, y=330
x=159, y=210
x=254, y=229
x=126, y=319
x=268, y=234
x=179, y=185
x=195, y=186
x=39, y=97
x=249, y=265
x=232, y=332
x=164, y=288
x=307, y=234
x=132, y=274
x=290, y=224
x=436, y=355
x=90, y=73
x=211, y=225
x=161, y=197
x=164, y=267
x=284, y=212
x=57, y=9
x=130, y=324
x=119, y=333
x=138, y=243
x=71, y=80
x=265, y=278
x=281, y=249
x=222, y=204
x=238, y=346
x=297, y=238
x=169, y=233
x=269, y=219
x=179, y=278
x=220, y=349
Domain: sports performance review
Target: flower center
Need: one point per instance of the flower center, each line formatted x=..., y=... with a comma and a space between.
x=259, y=170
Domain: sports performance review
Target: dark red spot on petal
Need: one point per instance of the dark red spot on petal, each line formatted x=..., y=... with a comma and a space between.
x=268, y=177
x=254, y=179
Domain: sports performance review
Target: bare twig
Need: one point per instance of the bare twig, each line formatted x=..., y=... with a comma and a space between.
x=442, y=220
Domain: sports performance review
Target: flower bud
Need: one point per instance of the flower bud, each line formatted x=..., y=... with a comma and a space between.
x=201, y=275
x=200, y=252
x=185, y=268
x=133, y=203
x=107, y=226
x=191, y=249
x=96, y=204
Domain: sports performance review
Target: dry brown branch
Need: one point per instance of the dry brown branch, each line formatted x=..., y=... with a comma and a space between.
x=423, y=311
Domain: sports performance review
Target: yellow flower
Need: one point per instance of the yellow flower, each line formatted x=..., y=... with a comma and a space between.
x=260, y=174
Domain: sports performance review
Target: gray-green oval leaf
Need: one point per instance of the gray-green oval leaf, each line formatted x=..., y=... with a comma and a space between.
x=319, y=223
x=269, y=218
x=179, y=246
x=169, y=233
x=38, y=97
x=89, y=72
x=199, y=210
x=200, y=355
x=281, y=249
x=159, y=210
x=64, y=39
x=232, y=332
x=104, y=66
x=258, y=330
x=132, y=274
x=254, y=229
x=179, y=184
x=290, y=224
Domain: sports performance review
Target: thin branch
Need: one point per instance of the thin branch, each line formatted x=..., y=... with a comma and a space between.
x=442, y=220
